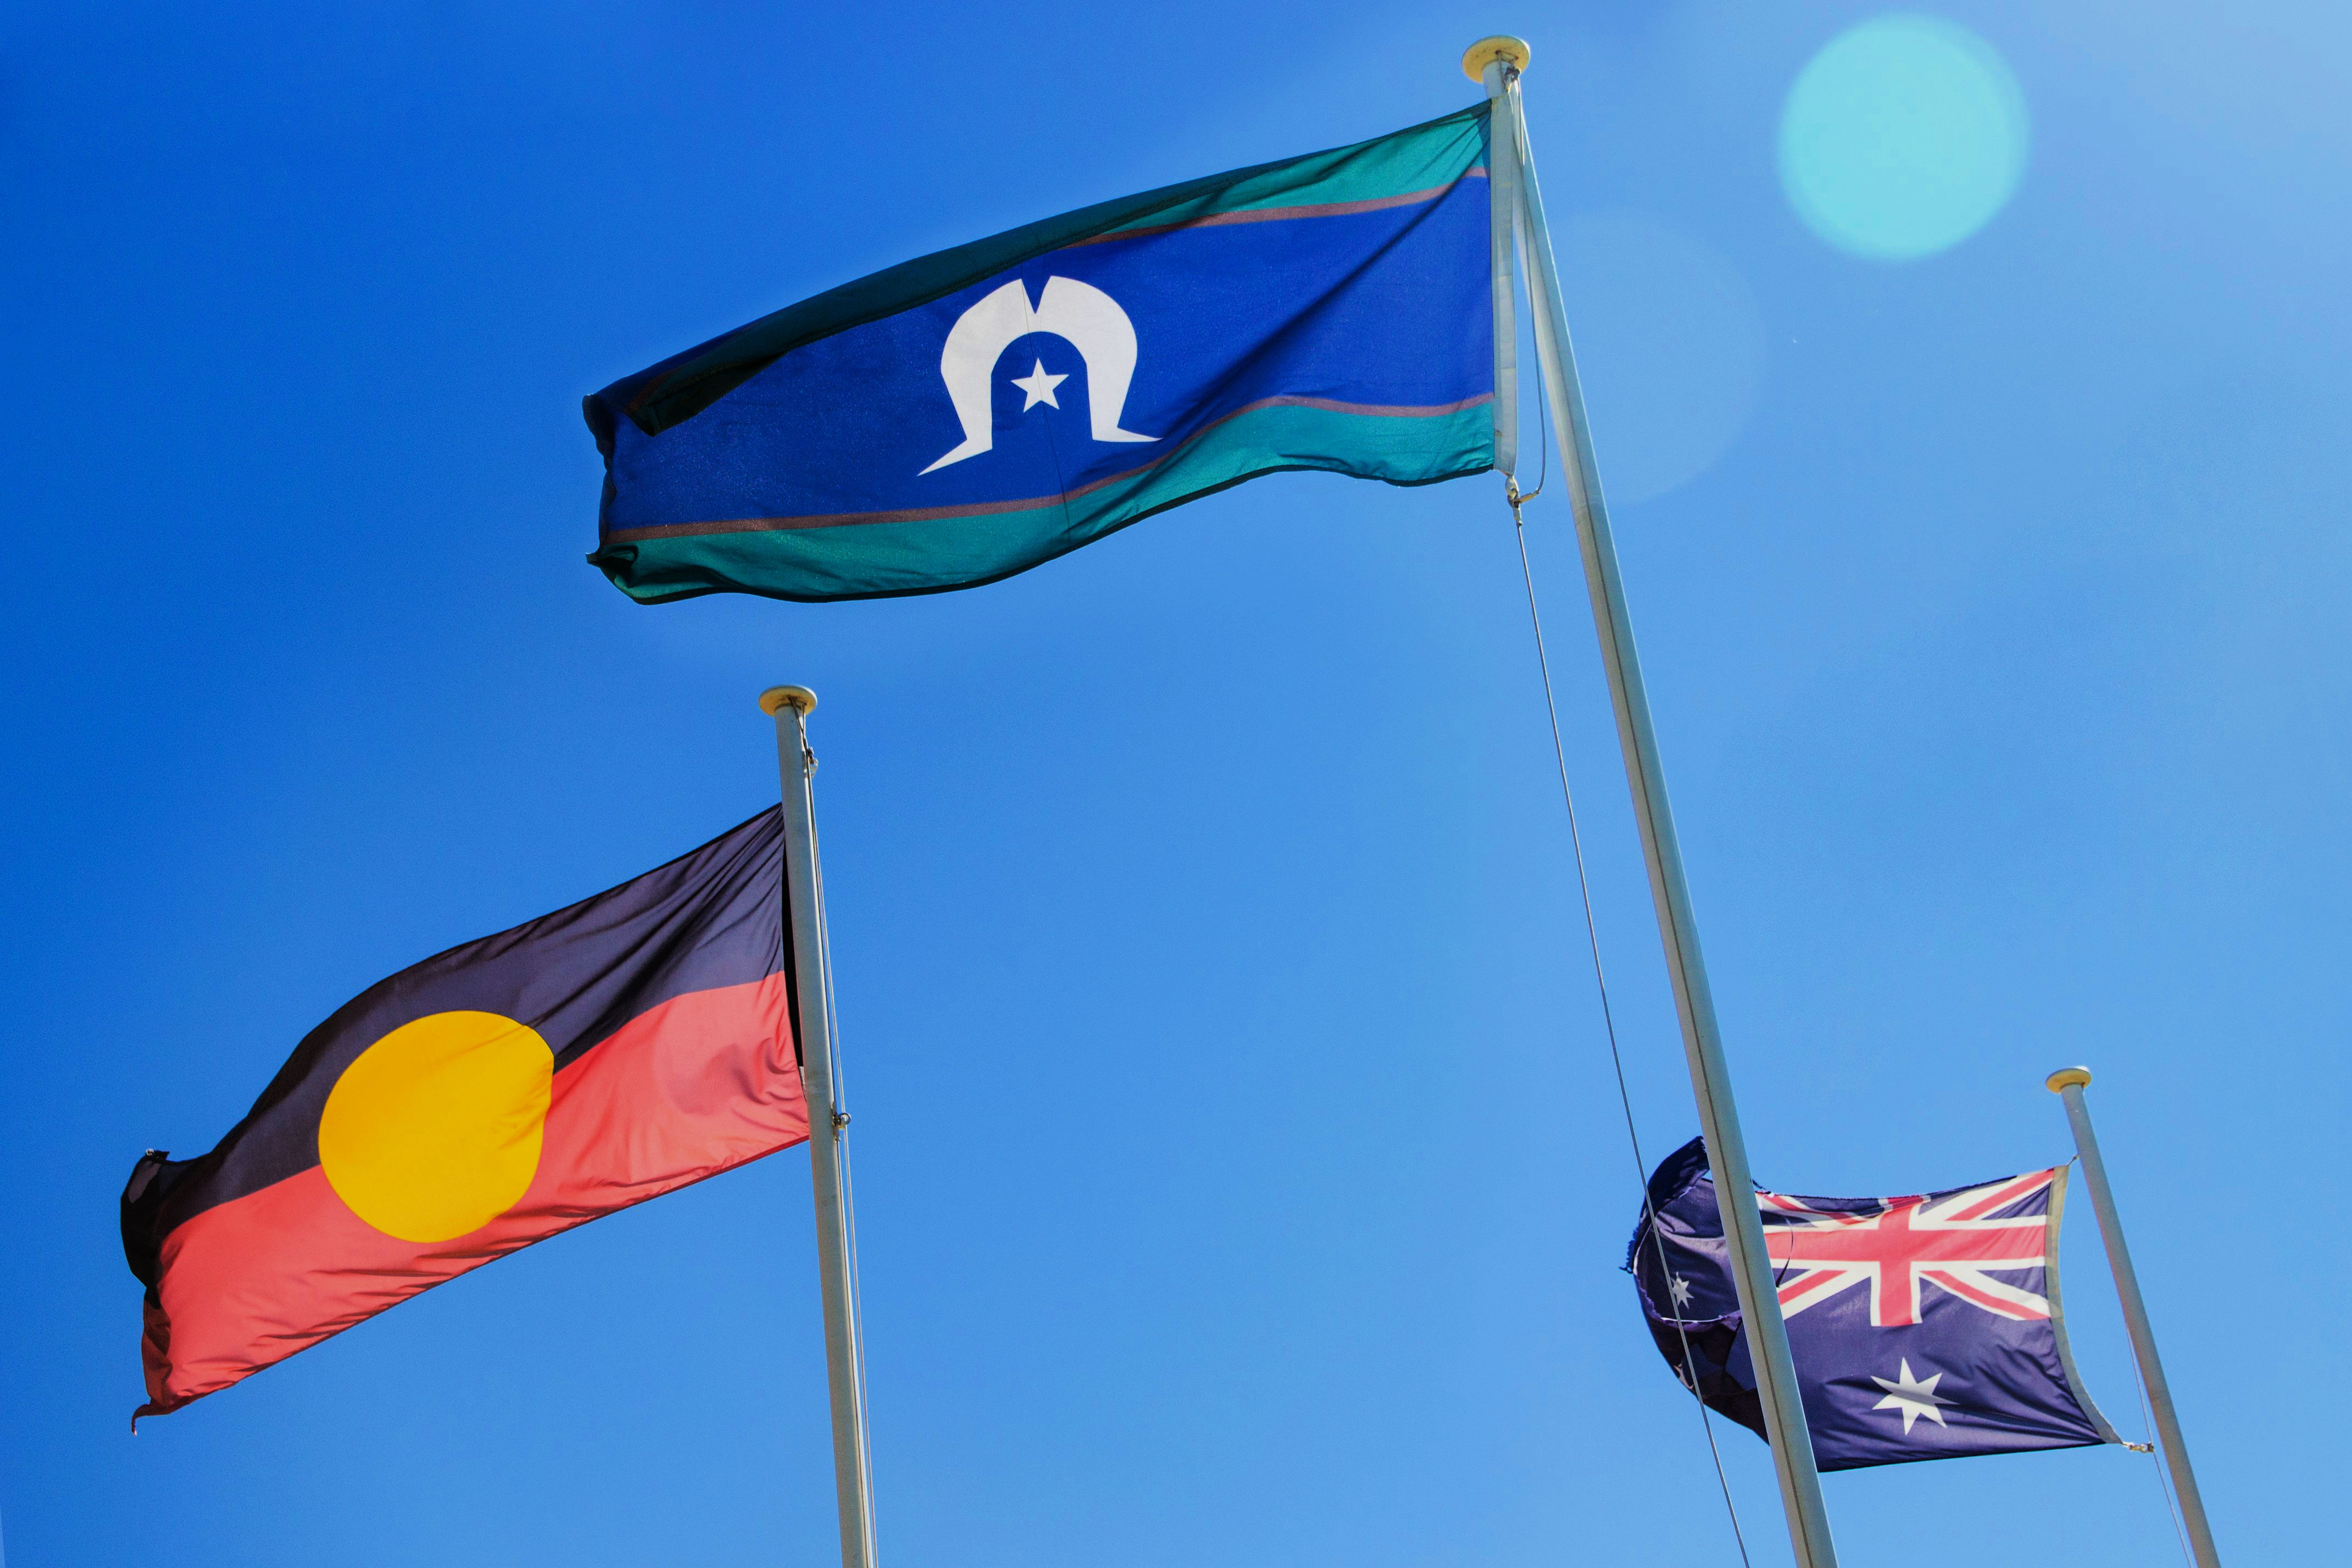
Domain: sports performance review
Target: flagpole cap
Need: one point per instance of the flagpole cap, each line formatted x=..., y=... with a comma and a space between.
x=2066, y=1079
x=799, y=698
x=1513, y=52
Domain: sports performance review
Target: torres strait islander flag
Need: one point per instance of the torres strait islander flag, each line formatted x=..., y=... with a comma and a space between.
x=964, y=416
x=1925, y=1327
x=473, y=1104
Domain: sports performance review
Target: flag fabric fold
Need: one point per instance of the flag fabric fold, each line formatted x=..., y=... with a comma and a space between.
x=1925, y=1327
x=969, y=414
x=472, y=1104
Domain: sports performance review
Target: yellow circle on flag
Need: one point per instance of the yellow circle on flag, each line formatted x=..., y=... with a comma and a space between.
x=434, y=1131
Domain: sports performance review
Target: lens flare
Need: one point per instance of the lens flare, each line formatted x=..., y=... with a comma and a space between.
x=1903, y=137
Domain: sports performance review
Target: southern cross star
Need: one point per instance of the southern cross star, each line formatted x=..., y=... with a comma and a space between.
x=1914, y=1397
x=1679, y=1288
x=1039, y=387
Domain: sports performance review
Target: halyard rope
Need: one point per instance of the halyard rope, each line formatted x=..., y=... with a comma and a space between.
x=1608, y=1019
x=2163, y=1480
x=1689, y=1371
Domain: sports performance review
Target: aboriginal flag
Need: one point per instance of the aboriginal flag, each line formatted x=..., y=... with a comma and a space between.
x=473, y=1104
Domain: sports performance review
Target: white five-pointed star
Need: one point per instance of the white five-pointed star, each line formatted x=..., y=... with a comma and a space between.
x=1914, y=1397
x=1679, y=1288
x=1039, y=387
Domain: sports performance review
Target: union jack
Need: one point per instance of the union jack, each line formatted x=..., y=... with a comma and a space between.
x=1955, y=1241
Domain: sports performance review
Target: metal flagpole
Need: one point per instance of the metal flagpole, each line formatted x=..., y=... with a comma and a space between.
x=812, y=979
x=1491, y=69
x=1497, y=63
x=2068, y=1084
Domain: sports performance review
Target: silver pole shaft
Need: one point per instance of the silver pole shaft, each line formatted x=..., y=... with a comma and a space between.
x=1727, y=1152
x=1503, y=203
x=843, y=1356
x=2068, y=1084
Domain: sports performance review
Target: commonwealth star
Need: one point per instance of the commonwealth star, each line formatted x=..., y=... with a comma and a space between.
x=1914, y=1397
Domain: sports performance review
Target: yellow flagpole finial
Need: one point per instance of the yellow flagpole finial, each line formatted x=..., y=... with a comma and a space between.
x=799, y=698
x=1513, y=52
x=2067, y=1077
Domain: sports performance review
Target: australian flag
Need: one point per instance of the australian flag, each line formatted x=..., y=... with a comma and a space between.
x=1922, y=1328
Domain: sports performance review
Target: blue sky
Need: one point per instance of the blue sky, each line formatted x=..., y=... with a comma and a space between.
x=1240, y=1174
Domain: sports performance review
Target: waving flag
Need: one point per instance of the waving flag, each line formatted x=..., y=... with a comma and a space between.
x=473, y=1104
x=1922, y=1328
x=964, y=416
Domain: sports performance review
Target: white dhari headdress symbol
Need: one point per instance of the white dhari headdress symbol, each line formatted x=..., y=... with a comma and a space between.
x=1087, y=319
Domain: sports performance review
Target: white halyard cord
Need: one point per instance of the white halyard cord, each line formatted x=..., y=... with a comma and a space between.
x=2163, y=1482
x=1689, y=1374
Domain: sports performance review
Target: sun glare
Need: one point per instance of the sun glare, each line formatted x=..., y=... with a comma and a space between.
x=1904, y=136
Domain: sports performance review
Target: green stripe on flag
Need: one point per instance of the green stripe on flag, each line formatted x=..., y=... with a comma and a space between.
x=890, y=557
